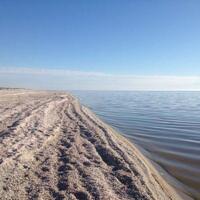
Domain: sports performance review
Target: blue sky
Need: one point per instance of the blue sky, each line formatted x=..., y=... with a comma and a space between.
x=113, y=37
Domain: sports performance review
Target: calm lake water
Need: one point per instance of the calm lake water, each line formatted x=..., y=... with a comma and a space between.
x=165, y=124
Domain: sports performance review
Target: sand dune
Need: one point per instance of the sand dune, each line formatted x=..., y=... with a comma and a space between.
x=51, y=147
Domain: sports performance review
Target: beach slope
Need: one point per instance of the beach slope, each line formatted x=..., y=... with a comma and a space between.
x=51, y=147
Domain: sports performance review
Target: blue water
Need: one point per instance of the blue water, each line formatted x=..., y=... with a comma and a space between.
x=164, y=124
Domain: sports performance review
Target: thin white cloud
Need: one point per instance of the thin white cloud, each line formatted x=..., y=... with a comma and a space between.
x=79, y=80
x=43, y=71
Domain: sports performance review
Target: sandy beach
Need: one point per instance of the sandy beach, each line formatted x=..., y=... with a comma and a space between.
x=52, y=147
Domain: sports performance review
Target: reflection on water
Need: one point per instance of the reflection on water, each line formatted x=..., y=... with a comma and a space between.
x=166, y=124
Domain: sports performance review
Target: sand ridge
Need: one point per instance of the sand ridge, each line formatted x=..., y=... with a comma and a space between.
x=51, y=147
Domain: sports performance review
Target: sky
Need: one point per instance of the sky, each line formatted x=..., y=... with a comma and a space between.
x=100, y=45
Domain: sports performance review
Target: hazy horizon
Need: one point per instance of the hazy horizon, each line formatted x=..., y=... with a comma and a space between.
x=56, y=79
